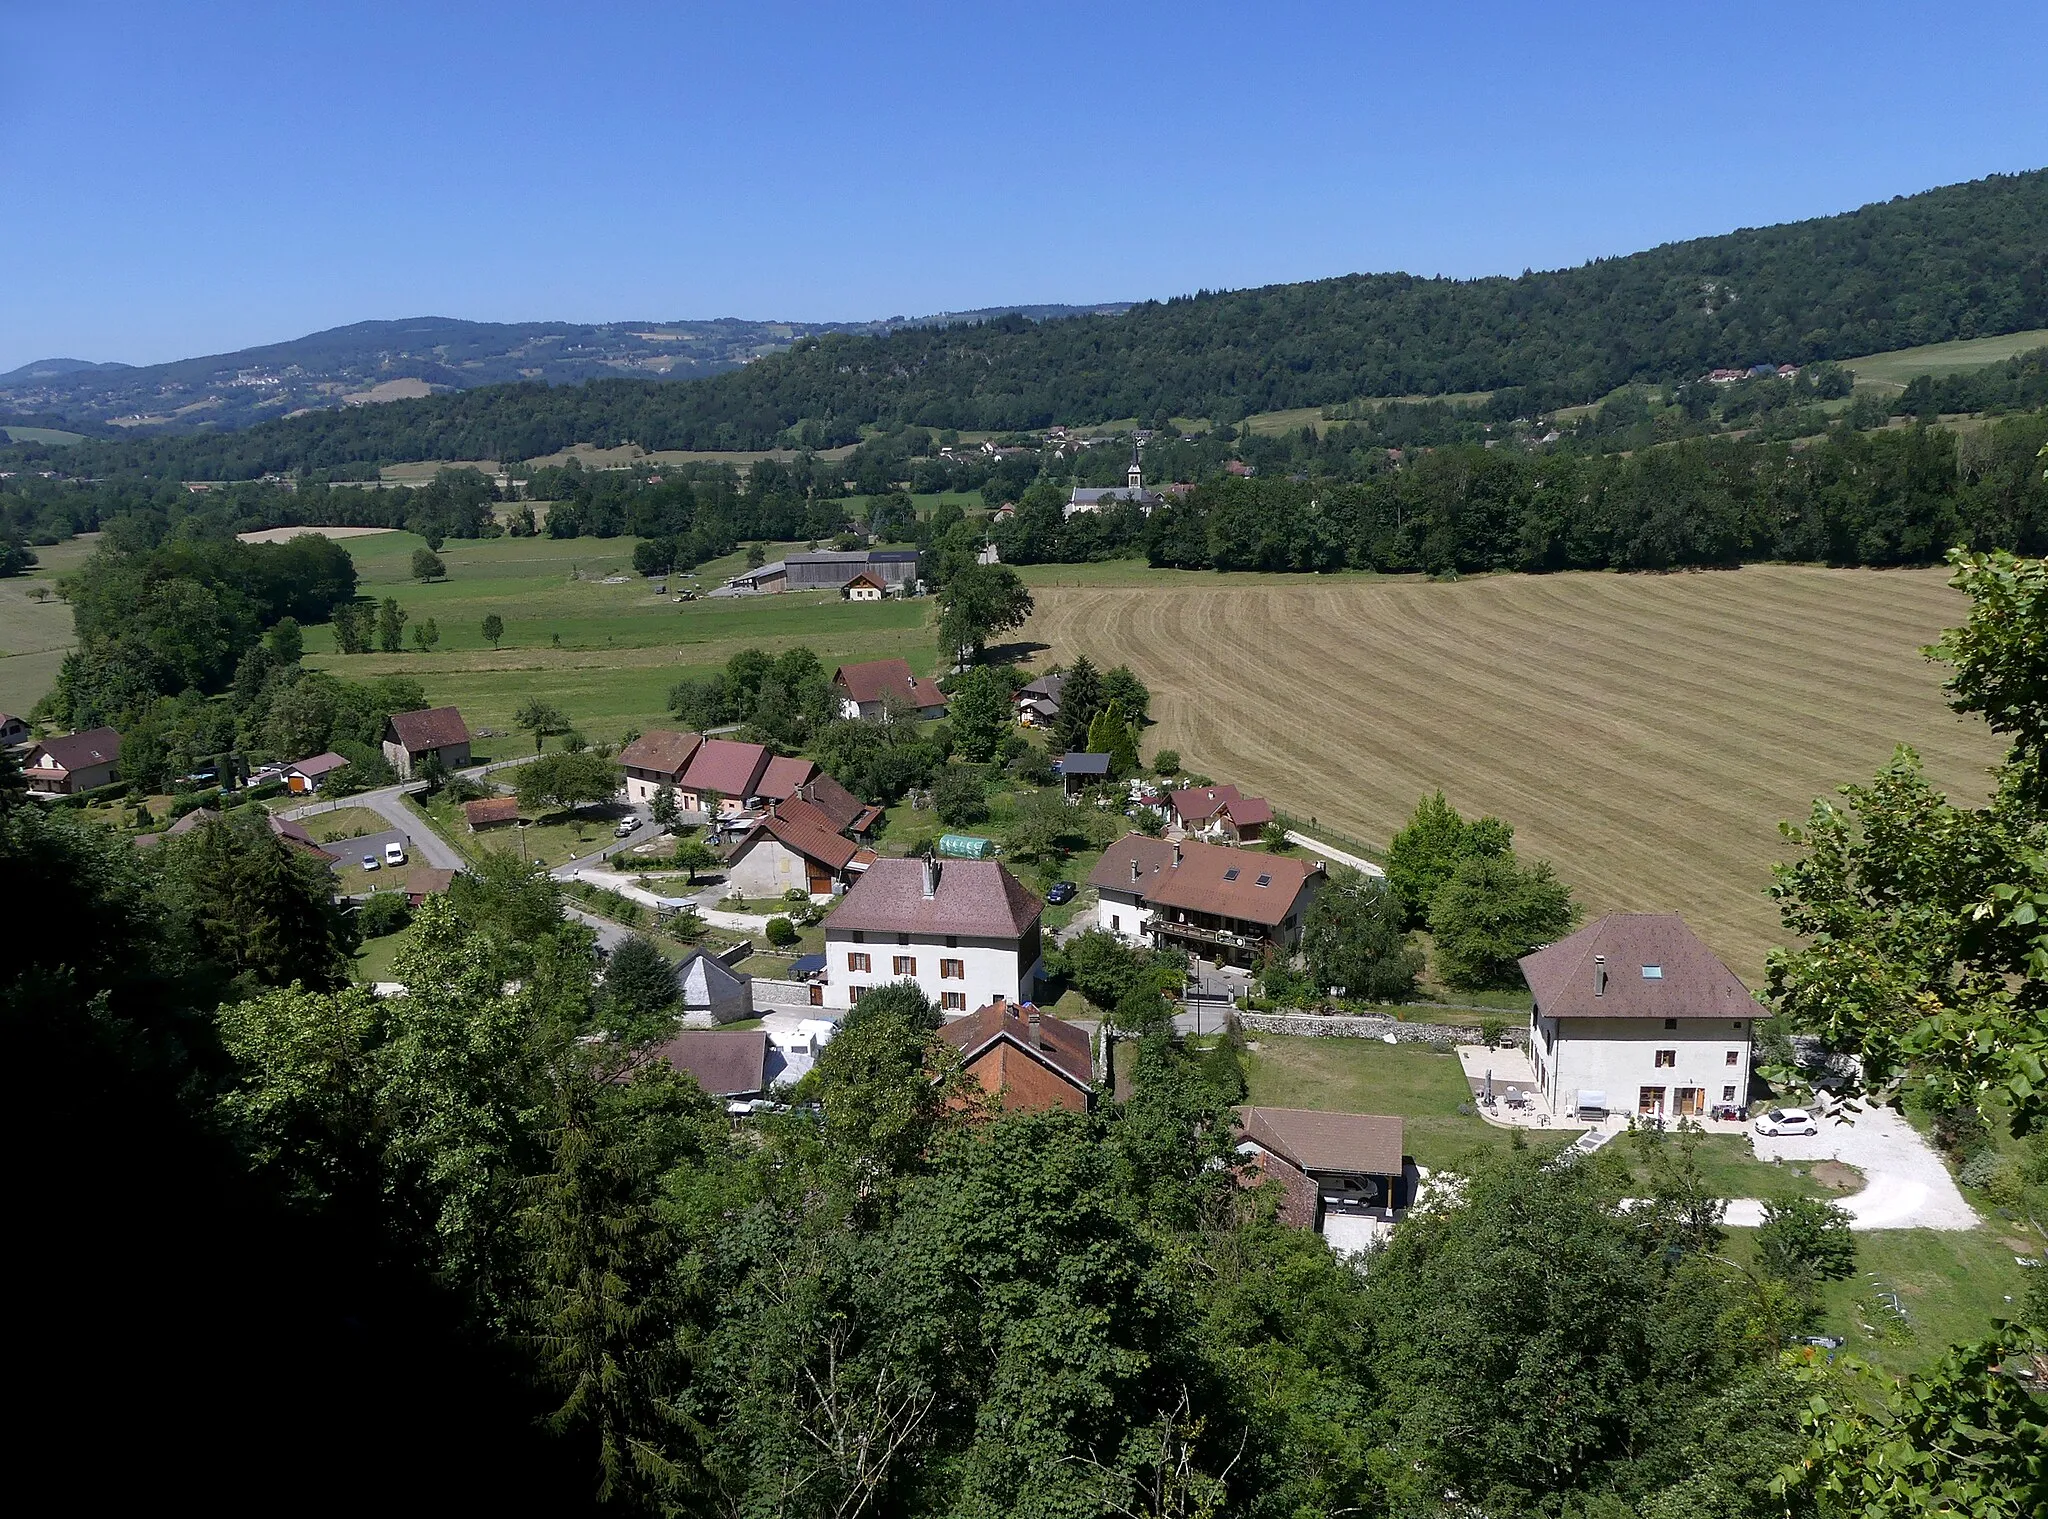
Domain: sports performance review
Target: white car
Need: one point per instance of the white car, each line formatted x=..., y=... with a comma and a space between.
x=627, y=829
x=1780, y=1121
x=394, y=854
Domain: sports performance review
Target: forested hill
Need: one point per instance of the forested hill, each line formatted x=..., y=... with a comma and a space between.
x=1961, y=261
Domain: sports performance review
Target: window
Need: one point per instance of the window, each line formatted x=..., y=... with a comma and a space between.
x=952, y=941
x=1738, y=1023
x=1230, y=874
x=856, y=961
x=952, y=970
x=953, y=1002
x=1116, y=923
x=1671, y=1023
x=1653, y=973
x=855, y=993
x=1263, y=881
x=903, y=938
x=1734, y=1057
x=904, y=965
x=1667, y=1057
x=1727, y=1094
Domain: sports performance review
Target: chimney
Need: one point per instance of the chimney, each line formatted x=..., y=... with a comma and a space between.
x=1134, y=870
x=1599, y=975
x=931, y=878
x=1176, y=856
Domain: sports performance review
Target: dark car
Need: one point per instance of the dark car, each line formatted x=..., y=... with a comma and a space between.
x=1062, y=891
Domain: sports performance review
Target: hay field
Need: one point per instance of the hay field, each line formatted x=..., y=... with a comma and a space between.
x=1645, y=733
x=1893, y=369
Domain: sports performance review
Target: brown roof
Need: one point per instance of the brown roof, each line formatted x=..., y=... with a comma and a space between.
x=1197, y=804
x=1249, y=809
x=1358, y=1142
x=877, y=678
x=803, y=829
x=837, y=803
x=435, y=728
x=1202, y=880
x=1053, y=1042
x=661, y=751
x=726, y=767
x=785, y=774
x=864, y=578
x=427, y=880
x=198, y=817
x=492, y=809
x=978, y=898
x=725, y=1062
x=1690, y=980
x=318, y=765
x=297, y=837
x=77, y=751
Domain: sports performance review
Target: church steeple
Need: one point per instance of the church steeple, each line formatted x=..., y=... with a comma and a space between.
x=1135, y=475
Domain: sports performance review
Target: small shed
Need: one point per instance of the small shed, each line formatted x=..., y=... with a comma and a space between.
x=1080, y=771
x=491, y=812
x=712, y=992
x=966, y=846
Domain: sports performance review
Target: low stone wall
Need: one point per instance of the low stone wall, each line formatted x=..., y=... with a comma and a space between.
x=1347, y=1026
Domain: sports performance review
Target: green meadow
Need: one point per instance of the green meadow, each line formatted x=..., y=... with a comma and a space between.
x=606, y=653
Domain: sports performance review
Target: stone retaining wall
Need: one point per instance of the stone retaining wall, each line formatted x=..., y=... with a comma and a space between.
x=1350, y=1026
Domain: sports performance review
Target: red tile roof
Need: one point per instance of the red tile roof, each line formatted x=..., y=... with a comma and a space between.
x=76, y=751
x=492, y=809
x=1201, y=879
x=427, y=881
x=1198, y=804
x=726, y=767
x=879, y=678
x=785, y=774
x=1364, y=1143
x=1691, y=981
x=978, y=898
x=837, y=803
x=1249, y=809
x=435, y=728
x=725, y=1062
x=318, y=765
x=1053, y=1042
x=661, y=751
x=803, y=829
x=296, y=836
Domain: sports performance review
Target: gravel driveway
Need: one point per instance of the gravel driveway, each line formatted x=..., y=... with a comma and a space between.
x=1907, y=1186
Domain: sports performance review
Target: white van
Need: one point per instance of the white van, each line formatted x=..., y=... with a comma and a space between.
x=394, y=854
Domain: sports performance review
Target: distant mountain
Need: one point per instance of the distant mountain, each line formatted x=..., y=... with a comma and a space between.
x=358, y=364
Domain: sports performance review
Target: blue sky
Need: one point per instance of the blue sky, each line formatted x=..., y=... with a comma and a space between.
x=182, y=178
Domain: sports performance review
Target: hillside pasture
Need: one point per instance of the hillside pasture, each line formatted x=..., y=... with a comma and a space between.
x=1892, y=370
x=1646, y=733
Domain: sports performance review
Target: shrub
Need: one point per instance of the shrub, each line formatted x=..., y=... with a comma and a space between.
x=959, y=797
x=781, y=932
x=1995, y=1176
x=1491, y=1030
x=385, y=913
x=1960, y=1133
x=1166, y=762
x=1803, y=1238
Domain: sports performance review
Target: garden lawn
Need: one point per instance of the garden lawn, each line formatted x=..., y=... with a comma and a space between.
x=343, y=823
x=1412, y=1081
x=374, y=959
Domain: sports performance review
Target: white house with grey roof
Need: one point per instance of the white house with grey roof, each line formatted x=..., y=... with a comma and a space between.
x=1635, y=1014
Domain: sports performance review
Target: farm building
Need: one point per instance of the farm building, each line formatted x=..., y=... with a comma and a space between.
x=830, y=570
x=1028, y=1060
x=74, y=763
x=491, y=812
x=868, y=689
x=966, y=931
x=1634, y=1013
x=409, y=737
x=14, y=731
x=1206, y=899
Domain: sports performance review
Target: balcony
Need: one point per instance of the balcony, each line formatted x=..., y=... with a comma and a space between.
x=1200, y=934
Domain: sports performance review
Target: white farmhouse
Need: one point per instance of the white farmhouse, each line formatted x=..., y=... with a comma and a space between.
x=966, y=931
x=1633, y=1013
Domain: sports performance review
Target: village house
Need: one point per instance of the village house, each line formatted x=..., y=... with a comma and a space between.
x=409, y=737
x=868, y=689
x=490, y=812
x=1205, y=899
x=654, y=760
x=1341, y=1174
x=1038, y=703
x=74, y=763
x=723, y=777
x=847, y=812
x=866, y=586
x=1220, y=813
x=792, y=846
x=14, y=731
x=309, y=775
x=729, y=1063
x=1028, y=1060
x=966, y=931
x=1635, y=1014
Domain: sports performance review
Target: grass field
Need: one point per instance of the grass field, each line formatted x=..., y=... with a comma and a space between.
x=1894, y=369
x=35, y=635
x=1645, y=733
x=620, y=646
x=48, y=435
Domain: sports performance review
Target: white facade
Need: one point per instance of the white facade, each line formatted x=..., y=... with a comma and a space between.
x=1669, y=1067
x=640, y=790
x=1124, y=914
x=957, y=972
x=770, y=867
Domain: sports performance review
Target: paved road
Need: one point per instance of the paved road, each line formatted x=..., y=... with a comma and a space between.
x=610, y=935
x=421, y=840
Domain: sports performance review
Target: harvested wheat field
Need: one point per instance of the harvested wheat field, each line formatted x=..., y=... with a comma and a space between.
x=1645, y=733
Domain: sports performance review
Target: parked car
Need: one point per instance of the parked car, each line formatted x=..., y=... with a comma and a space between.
x=370, y=862
x=627, y=828
x=1062, y=891
x=394, y=854
x=1786, y=1121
